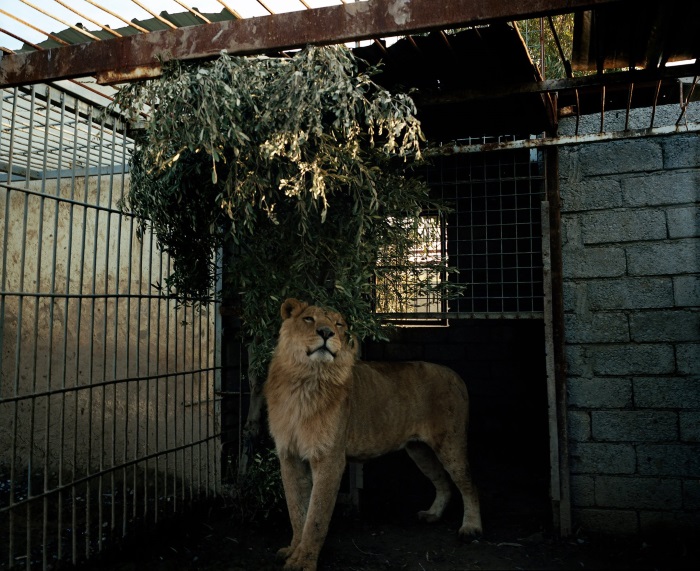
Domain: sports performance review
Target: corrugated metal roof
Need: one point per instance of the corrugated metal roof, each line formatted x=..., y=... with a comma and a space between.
x=476, y=81
x=179, y=20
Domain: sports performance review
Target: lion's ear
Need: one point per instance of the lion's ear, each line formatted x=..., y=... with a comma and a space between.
x=353, y=344
x=292, y=307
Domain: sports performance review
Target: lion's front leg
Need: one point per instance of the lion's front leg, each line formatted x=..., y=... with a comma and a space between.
x=327, y=473
x=296, y=479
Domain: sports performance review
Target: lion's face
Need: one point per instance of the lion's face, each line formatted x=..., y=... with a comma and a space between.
x=313, y=334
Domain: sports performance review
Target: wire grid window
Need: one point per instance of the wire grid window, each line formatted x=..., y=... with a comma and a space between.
x=409, y=290
x=108, y=416
x=491, y=234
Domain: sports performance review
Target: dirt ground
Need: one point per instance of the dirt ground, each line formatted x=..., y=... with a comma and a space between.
x=385, y=535
x=391, y=542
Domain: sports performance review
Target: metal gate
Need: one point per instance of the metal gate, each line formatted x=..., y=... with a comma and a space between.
x=494, y=230
x=108, y=415
x=491, y=232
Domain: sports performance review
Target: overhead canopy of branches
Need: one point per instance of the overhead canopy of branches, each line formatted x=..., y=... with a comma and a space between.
x=297, y=165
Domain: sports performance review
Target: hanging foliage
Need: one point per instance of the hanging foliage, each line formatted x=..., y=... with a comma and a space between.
x=297, y=165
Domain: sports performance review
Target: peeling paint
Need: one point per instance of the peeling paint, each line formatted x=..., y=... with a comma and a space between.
x=358, y=7
x=400, y=11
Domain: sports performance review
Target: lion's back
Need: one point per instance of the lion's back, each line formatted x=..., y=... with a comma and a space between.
x=395, y=402
x=414, y=380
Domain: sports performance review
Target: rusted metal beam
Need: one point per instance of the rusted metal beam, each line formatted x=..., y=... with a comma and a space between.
x=132, y=57
x=562, y=140
x=616, y=79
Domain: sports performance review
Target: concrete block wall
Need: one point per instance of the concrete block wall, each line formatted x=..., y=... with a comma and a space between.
x=631, y=262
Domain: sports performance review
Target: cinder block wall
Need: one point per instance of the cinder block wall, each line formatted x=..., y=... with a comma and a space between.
x=631, y=253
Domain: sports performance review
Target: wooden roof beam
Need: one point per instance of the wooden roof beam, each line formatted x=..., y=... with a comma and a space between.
x=139, y=56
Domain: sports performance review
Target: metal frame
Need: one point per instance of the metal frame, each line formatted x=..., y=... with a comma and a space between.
x=628, y=123
x=538, y=183
x=138, y=56
x=492, y=233
x=108, y=414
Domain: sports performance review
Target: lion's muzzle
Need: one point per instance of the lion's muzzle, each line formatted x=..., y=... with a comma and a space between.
x=325, y=333
x=323, y=352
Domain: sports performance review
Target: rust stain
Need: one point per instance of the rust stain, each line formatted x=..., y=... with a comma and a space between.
x=111, y=77
x=319, y=26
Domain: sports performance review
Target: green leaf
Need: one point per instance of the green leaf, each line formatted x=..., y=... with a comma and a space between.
x=297, y=167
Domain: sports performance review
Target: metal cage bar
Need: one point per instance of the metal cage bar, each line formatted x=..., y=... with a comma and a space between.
x=492, y=234
x=108, y=408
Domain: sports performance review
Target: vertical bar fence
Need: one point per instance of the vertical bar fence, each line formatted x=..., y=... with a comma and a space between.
x=108, y=410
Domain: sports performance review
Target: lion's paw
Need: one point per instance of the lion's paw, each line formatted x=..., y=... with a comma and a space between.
x=284, y=553
x=428, y=517
x=299, y=564
x=470, y=533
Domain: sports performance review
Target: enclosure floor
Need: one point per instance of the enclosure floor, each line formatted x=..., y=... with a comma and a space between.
x=381, y=544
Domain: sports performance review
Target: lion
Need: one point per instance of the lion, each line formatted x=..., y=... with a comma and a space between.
x=325, y=407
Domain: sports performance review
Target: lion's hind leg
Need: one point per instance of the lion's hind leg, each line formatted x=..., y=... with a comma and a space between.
x=427, y=461
x=454, y=459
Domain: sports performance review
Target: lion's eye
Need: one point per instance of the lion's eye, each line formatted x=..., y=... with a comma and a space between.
x=339, y=324
x=309, y=319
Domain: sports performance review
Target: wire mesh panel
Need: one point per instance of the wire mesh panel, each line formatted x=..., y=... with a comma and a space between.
x=412, y=288
x=107, y=404
x=494, y=233
x=491, y=234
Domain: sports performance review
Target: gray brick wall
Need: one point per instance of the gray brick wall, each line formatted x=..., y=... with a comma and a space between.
x=631, y=254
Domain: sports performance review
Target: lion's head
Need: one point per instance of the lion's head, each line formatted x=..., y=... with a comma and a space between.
x=313, y=335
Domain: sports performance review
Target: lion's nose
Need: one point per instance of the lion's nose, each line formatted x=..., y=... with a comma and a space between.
x=325, y=332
